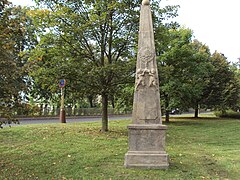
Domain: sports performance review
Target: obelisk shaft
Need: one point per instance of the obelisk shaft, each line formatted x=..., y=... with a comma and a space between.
x=146, y=106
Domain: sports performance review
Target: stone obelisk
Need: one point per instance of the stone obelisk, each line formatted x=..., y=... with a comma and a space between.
x=146, y=133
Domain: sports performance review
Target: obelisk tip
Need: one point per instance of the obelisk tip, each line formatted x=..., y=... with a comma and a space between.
x=146, y=2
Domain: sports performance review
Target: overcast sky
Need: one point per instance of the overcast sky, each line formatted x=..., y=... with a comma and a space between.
x=214, y=22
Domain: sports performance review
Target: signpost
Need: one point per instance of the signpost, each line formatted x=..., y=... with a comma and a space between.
x=62, y=117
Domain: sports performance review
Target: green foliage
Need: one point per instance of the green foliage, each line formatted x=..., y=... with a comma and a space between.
x=84, y=45
x=190, y=76
x=15, y=37
x=80, y=151
x=7, y=117
x=228, y=114
x=184, y=67
x=236, y=69
x=223, y=90
x=124, y=99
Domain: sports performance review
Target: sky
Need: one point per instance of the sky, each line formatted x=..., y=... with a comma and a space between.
x=214, y=22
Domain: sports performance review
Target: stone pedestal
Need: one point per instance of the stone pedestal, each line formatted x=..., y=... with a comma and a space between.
x=146, y=147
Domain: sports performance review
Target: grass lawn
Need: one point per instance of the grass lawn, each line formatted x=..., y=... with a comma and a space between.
x=206, y=148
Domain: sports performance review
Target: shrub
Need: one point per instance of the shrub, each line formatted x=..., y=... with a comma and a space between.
x=6, y=116
x=228, y=114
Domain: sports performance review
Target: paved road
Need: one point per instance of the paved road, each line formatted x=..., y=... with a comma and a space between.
x=25, y=121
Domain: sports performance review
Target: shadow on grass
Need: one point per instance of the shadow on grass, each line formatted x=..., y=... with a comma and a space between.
x=182, y=123
x=189, y=121
x=193, y=118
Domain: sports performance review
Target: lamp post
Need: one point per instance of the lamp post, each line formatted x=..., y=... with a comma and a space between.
x=62, y=117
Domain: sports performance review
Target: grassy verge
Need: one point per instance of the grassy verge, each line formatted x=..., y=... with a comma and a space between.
x=198, y=149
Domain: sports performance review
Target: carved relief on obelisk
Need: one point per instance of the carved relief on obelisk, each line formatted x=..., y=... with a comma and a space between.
x=146, y=74
x=146, y=110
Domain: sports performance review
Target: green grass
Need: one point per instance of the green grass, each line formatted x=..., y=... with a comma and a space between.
x=206, y=148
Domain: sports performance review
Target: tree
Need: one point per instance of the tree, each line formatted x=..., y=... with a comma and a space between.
x=201, y=70
x=184, y=67
x=236, y=69
x=89, y=43
x=222, y=91
x=14, y=38
x=173, y=51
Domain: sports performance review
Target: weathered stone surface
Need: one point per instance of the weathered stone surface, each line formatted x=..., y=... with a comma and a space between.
x=145, y=2
x=147, y=137
x=146, y=160
x=146, y=106
x=146, y=133
x=146, y=146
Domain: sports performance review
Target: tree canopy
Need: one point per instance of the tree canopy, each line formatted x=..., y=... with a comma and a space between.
x=91, y=44
x=15, y=38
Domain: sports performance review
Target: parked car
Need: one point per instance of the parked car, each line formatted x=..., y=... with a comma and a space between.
x=176, y=111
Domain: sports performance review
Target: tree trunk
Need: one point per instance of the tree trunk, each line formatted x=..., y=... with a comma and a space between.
x=112, y=102
x=104, y=112
x=196, y=111
x=41, y=110
x=167, y=117
x=90, y=100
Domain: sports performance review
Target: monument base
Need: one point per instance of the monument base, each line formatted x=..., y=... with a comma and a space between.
x=146, y=160
x=146, y=147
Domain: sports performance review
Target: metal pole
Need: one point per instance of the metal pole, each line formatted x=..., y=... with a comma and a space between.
x=62, y=110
